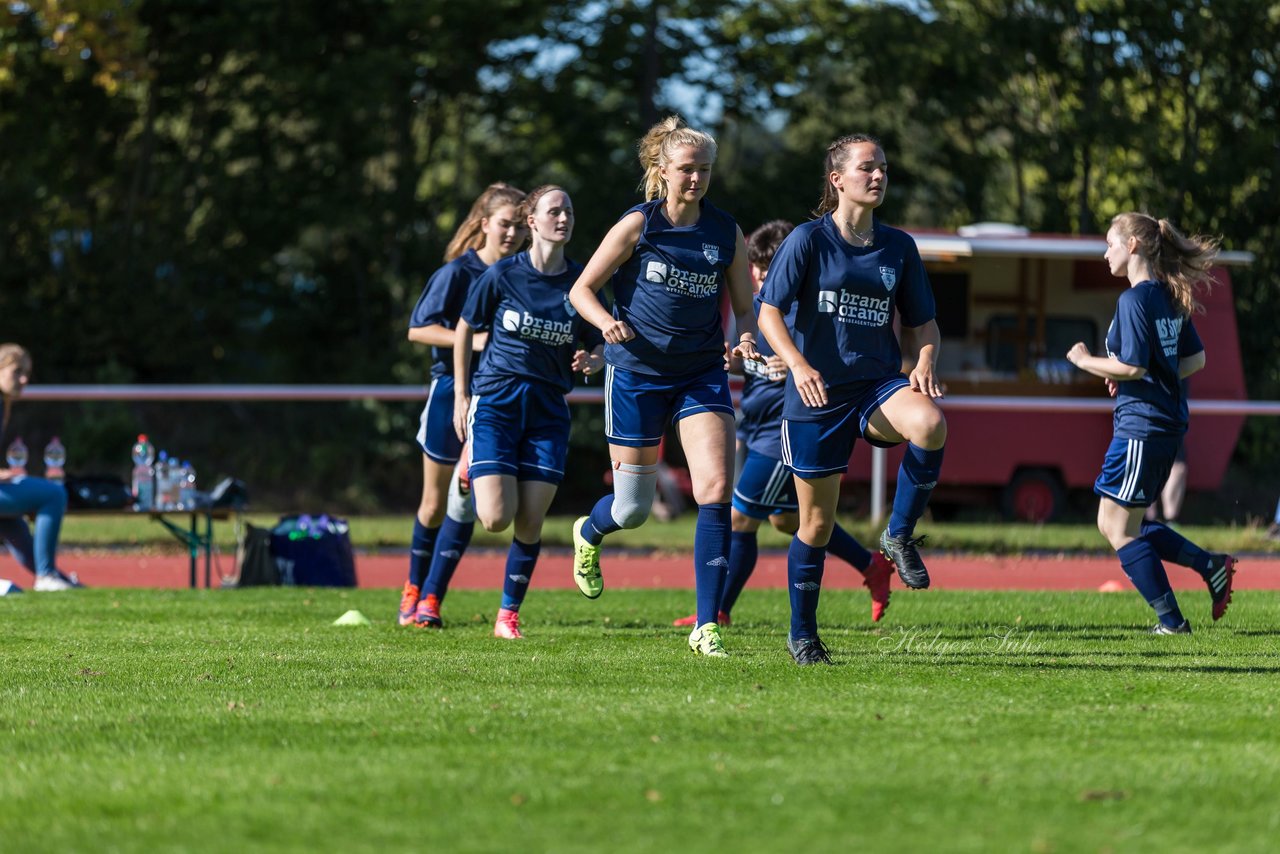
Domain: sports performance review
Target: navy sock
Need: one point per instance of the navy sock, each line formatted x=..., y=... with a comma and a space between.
x=804, y=583
x=849, y=550
x=1175, y=548
x=917, y=476
x=744, y=550
x=521, y=559
x=451, y=545
x=1141, y=563
x=600, y=522
x=710, y=558
x=420, y=551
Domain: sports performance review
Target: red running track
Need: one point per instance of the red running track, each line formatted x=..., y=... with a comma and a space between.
x=482, y=569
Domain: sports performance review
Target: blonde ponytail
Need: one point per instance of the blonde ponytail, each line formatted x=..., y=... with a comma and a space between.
x=1184, y=264
x=658, y=145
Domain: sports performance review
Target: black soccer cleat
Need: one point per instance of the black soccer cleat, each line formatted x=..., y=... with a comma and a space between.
x=1162, y=629
x=806, y=651
x=904, y=555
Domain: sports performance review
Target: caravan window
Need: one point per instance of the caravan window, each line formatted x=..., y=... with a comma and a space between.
x=1060, y=333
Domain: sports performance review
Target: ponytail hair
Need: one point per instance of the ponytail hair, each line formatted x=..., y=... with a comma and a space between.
x=1183, y=263
x=10, y=354
x=470, y=234
x=837, y=157
x=657, y=146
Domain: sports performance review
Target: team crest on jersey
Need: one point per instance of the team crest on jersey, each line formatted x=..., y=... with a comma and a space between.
x=568, y=307
x=889, y=276
x=711, y=252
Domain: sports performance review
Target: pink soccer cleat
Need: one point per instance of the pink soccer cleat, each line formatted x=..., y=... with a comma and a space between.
x=408, y=604
x=428, y=616
x=876, y=579
x=508, y=625
x=722, y=619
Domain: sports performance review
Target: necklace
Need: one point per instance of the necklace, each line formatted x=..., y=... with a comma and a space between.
x=863, y=237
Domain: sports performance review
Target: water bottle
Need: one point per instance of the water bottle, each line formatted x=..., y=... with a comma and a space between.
x=164, y=482
x=55, y=460
x=16, y=456
x=187, y=487
x=143, y=481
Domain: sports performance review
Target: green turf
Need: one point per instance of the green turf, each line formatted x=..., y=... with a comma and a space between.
x=394, y=532
x=241, y=720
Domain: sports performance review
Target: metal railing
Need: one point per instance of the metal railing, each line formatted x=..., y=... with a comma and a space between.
x=155, y=392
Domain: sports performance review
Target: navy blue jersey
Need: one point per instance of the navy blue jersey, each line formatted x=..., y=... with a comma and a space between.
x=1148, y=332
x=845, y=298
x=441, y=303
x=533, y=326
x=669, y=290
x=762, y=399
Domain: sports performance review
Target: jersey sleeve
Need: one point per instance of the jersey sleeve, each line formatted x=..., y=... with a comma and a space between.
x=1189, y=341
x=482, y=301
x=787, y=272
x=1133, y=330
x=915, y=298
x=440, y=299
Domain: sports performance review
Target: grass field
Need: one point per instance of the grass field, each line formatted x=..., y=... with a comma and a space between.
x=219, y=720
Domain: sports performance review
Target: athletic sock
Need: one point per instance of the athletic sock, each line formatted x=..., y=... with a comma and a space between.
x=917, y=476
x=804, y=583
x=1141, y=563
x=521, y=559
x=744, y=551
x=844, y=546
x=451, y=545
x=420, y=551
x=600, y=522
x=1175, y=548
x=710, y=558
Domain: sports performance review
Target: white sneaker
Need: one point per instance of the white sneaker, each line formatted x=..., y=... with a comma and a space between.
x=8, y=588
x=54, y=582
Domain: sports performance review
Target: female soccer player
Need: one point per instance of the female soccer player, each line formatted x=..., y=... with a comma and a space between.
x=764, y=488
x=669, y=258
x=847, y=275
x=21, y=494
x=492, y=231
x=517, y=421
x=1151, y=346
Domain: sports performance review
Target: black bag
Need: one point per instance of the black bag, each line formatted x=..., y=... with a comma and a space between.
x=255, y=565
x=97, y=492
x=314, y=551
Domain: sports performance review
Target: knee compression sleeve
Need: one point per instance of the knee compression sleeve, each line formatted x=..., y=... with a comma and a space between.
x=459, y=507
x=633, y=491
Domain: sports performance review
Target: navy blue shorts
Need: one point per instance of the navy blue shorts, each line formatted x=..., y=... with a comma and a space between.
x=1135, y=470
x=521, y=430
x=815, y=449
x=638, y=407
x=764, y=487
x=436, y=435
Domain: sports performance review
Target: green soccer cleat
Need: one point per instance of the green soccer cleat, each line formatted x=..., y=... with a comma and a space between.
x=586, y=563
x=705, y=640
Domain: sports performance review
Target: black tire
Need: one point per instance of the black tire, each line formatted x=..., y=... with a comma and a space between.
x=1034, y=495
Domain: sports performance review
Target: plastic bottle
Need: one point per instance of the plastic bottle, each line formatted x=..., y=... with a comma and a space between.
x=187, y=487
x=16, y=456
x=164, y=482
x=143, y=481
x=55, y=460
